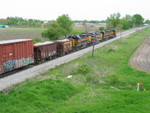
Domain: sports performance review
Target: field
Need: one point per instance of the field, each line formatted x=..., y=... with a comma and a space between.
x=104, y=83
x=30, y=33
x=20, y=33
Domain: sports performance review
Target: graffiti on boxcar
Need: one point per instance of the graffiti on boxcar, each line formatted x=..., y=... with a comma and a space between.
x=0, y=68
x=9, y=65
x=52, y=53
x=23, y=62
x=14, y=64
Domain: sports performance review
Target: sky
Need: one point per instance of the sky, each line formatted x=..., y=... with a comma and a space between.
x=76, y=9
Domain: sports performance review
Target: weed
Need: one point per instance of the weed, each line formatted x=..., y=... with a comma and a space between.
x=113, y=79
x=92, y=79
x=84, y=69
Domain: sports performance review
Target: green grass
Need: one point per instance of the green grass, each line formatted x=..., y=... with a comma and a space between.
x=33, y=30
x=37, y=97
x=77, y=31
x=103, y=84
x=27, y=30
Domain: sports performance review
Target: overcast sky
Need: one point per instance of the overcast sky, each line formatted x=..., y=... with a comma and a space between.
x=76, y=9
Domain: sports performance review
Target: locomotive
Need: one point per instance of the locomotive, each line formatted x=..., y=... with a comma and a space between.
x=18, y=53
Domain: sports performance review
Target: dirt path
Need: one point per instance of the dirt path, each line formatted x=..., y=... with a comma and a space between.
x=141, y=58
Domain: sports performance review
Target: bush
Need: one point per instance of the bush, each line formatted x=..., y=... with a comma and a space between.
x=36, y=40
x=77, y=31
x=92, y=79
x=113, y=79
x=101, y=28
x=53, y=32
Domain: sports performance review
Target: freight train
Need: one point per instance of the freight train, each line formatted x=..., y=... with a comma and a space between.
x=18, y=53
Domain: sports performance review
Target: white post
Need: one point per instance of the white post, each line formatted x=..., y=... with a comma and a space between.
x=138, y=86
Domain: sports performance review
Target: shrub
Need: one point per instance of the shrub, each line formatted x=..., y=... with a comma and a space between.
x=92, y=79
x=53, y=32
x=101, y=28
x=113, y=79
x=36, y=40
x=77, y=31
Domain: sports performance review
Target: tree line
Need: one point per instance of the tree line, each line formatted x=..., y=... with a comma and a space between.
x=63, y=25
x=20, y=22
x=128, y=21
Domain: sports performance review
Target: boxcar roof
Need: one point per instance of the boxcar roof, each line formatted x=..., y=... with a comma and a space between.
x=14, y=41
x=43, y=43
x=63, y=40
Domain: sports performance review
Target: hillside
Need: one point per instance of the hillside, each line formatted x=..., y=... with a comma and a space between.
x=104, y=83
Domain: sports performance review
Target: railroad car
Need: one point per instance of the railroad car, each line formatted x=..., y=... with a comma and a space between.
x=99, y=36
x=64, y=46
x=114, y=33
x=19, y=53
x=45, y=51
x=81, y=40
x=15, y=54
x=110, y=34
x=105, y=34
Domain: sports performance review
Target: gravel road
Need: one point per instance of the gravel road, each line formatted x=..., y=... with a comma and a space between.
x=39, y=69
x=140, y=59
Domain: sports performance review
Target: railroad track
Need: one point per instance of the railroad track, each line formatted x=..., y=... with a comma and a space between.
x=28, y=73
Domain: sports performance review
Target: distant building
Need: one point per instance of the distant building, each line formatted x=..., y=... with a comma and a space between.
x=4, y=26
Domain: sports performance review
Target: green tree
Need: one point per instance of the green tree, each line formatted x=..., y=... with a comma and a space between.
x=113, y=20
x=147, y=22
x=53, y=32
x=127, y=22
x=129, y=19
x=124, y=23
x=65, y=22
x=138, y=20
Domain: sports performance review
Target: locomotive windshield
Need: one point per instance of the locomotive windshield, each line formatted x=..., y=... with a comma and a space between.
x=75, y=37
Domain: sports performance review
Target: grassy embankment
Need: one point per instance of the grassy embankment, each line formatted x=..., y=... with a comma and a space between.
x=103, y=84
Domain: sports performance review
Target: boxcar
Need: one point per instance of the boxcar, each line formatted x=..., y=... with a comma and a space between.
x=15, y=54
x=45, y=51
x=64, y=47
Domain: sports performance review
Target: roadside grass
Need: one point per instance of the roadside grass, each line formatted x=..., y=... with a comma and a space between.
x=97, y=100
x=37, y=97
x=104, y=83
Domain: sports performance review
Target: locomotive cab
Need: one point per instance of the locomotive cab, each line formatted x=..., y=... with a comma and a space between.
x=114, y=32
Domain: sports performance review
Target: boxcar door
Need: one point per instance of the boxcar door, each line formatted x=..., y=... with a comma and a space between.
x=8, y=57
x=1, y=60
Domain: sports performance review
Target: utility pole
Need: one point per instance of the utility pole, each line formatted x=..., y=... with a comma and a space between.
x=93, y=47
x=85, y=26
x=120, y=33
